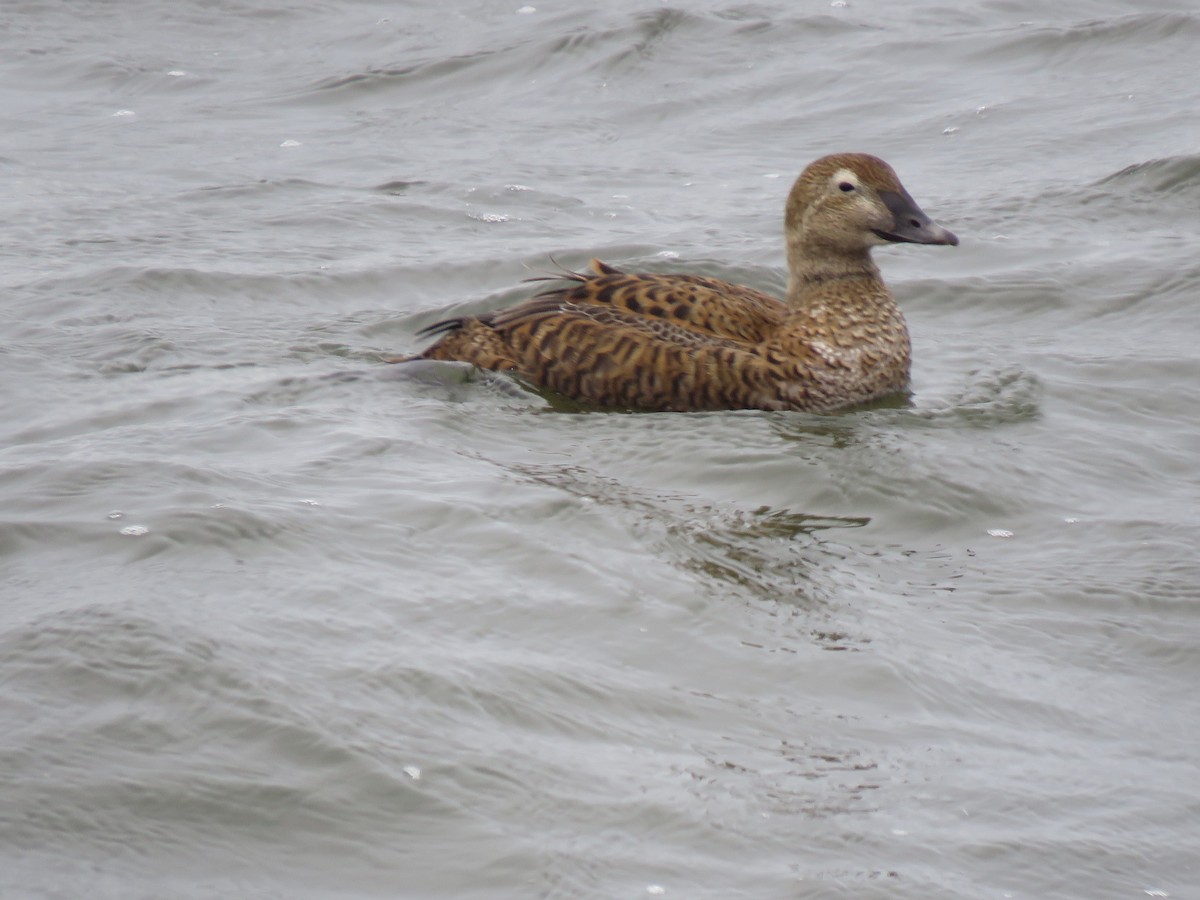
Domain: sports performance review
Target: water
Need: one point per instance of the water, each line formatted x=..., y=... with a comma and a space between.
x=279, y=620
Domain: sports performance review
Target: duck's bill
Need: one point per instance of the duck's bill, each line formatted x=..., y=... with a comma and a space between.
x=911, y=225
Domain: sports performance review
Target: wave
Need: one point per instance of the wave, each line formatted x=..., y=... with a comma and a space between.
x=1173, y=175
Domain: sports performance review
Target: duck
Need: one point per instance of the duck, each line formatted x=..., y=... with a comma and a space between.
x=611, y=339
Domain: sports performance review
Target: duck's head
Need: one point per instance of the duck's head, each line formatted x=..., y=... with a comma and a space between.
x=850, y=202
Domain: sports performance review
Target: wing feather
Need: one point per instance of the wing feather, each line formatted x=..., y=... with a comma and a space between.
x=666, y=342
x=693, y=302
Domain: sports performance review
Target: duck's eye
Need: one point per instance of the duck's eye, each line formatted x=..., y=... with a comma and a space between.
x=846, y=186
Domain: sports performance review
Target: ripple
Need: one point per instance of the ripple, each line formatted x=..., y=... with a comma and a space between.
x=598, y=48
x=441, y=74
x=1175, y=175
x=766, y=555
x=1056, y=44
x=132, y=769
x=990, y=398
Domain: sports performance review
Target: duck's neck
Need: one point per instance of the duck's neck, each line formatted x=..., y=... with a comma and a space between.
x=843, y=325
x=811, y=264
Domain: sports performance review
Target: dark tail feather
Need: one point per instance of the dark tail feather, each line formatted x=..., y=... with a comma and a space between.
x=443, y=327
x=447, y=326
x=603, y=268
x=565, y=274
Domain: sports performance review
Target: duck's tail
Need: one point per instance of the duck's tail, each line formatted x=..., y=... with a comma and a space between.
x=562, y=273
x=447, y=327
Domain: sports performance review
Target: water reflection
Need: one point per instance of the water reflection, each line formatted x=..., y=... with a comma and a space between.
x=762, y=555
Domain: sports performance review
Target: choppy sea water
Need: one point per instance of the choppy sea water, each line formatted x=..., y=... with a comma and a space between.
x=280, y=620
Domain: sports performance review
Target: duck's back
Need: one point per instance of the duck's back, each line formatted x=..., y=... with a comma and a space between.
x=708, y=306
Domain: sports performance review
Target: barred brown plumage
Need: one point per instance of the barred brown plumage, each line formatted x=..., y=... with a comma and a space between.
x=688, y=342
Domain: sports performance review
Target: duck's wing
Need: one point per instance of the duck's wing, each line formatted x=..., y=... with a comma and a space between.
x=609, y=357
x=542, y=312
x=708, y=306
x=668, y=342
x=516, y=337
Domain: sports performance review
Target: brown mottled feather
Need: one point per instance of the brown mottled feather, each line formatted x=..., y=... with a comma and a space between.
x=687, y=342
x=705, y=305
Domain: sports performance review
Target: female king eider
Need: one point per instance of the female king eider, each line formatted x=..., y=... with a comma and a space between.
x=685, y=342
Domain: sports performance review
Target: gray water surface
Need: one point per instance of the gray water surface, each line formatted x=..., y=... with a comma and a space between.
x=280, y=620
